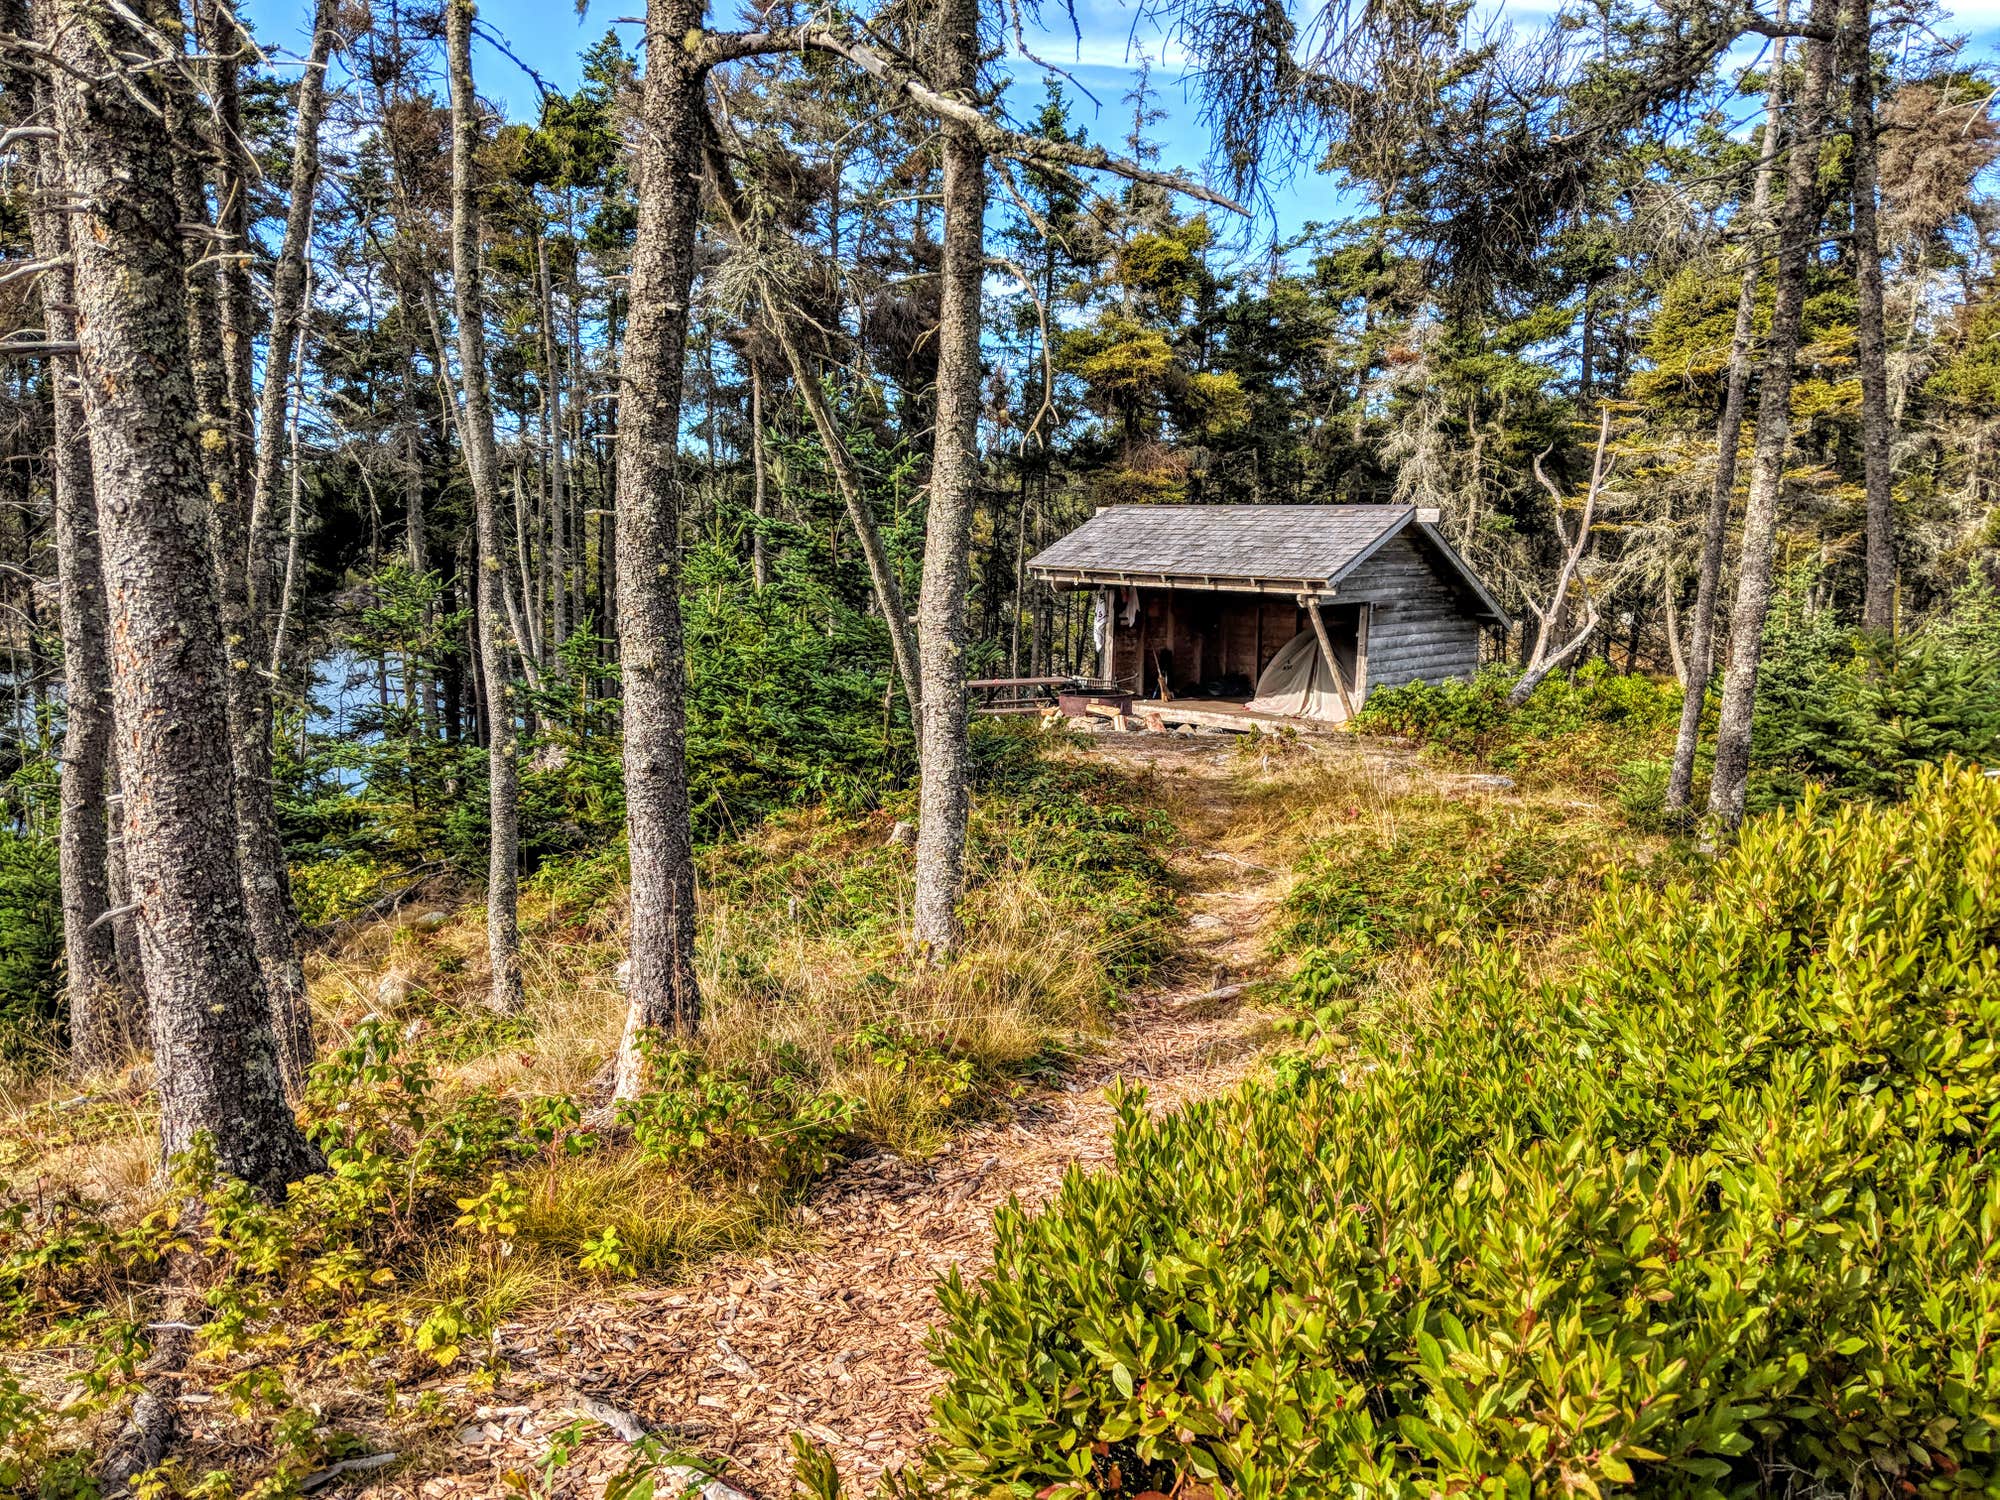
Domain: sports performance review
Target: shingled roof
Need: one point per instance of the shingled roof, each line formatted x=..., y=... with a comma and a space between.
x=1269, y=548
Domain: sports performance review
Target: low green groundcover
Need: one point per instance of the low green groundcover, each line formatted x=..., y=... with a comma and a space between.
x=1713, y=1213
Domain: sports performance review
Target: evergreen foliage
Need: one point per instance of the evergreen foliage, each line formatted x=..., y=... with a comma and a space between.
x=31, y=941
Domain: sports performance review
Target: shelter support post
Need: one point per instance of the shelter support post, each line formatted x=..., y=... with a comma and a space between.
x=1310, y=605
x=1361, y=654
x=1107, y=666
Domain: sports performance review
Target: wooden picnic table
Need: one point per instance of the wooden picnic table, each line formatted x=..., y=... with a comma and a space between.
x=1015, y=695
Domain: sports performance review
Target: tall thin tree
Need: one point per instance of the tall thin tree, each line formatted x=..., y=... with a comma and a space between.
x=1871, y=354
x=1798, y=234
x=664, y=992
x=98, y=1033
x=1728, y=439
x=945, y=791
x=496, y=648
x=218, y=344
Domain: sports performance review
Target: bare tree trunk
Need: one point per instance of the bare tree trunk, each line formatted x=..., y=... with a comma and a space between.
x=523, y=615
x=944, y=795
x=1546, y=656
x=217, y=1059
x=222, y=39
x=290, y=302
x=288, y=576
x=1670, y=612
x=847, y=479
x=97, y=1039
x=1020, y=573
x=124, y=929
x=1871, y=338
x=552, y=440
x=1728, y=438
x=1798, y=227
x=664, y=993
x=503, y=936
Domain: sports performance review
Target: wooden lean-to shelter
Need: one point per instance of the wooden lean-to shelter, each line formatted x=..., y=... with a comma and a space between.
x=1291, y=611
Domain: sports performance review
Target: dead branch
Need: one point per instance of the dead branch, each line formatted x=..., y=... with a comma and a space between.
x=1546, y=657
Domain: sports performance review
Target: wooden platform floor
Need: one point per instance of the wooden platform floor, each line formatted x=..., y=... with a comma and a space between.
x=1218, y=713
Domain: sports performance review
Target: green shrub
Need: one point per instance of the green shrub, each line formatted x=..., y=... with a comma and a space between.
x=1714, y=1214
x=1582, y=726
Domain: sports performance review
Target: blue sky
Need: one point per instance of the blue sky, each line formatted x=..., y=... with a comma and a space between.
x=1105, y=59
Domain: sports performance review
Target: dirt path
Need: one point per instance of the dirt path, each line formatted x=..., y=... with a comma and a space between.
x=830, y=1340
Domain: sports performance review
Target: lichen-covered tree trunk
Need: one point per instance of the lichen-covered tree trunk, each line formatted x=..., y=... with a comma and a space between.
x=98, y=1037
x=216, y=1058
x=1878, y=604
x=1728, y=438
x=503, y=933
x=945, y=759
x=663, y=991
x=213, y=351
x=556, y=563
x=1798, y=229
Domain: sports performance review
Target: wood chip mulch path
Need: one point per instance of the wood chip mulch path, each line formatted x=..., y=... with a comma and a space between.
x=830, y=1340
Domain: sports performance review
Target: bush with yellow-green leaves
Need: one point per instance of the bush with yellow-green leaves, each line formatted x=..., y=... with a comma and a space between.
x=1714, y=1212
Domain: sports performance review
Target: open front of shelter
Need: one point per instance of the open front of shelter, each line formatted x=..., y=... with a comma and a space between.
x=1291, y=611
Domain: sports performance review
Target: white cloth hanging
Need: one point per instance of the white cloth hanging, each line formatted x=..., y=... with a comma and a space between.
x=1299, y=683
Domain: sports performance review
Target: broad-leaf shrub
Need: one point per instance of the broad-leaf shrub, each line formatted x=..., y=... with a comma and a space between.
x=1714, y=1213
x=773, y=1128
x=1582, y=726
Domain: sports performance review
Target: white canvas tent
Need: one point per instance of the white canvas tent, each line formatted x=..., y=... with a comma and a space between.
x=1299, y=682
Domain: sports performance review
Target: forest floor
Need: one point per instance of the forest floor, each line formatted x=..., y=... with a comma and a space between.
x=827, y=1336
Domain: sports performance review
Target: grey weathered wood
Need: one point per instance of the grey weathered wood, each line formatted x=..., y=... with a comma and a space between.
x=1419, y=628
